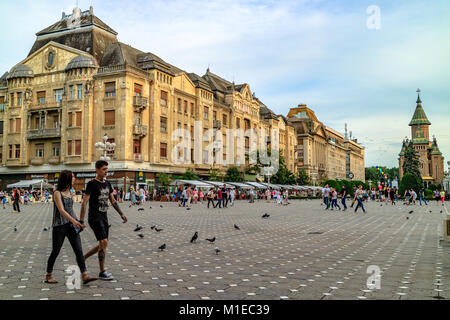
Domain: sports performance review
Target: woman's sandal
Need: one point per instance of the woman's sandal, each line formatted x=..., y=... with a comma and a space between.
x=89, y=279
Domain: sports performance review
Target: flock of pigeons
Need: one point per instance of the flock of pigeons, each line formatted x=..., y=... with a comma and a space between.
x=194, y=237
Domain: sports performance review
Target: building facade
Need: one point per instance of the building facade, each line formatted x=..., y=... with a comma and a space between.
x=323, y=152
x=79, y=83
x=431, y=161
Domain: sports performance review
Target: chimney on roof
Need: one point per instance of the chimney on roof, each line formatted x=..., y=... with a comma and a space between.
x=91, y=10
x=76, y=13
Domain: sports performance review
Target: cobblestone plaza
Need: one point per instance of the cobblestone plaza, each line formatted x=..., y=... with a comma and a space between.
x=301, y=252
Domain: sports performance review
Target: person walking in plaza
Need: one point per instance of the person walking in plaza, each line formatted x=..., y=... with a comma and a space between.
x=422, y=196
x=189, y=194
x=407, y=196
x=16, y=198
x=226, y=196
x=184, y=197
x=392, y=194
x=437, y=197
x=442, y=194
x=326, y=196
x=413, y=195
x=65, y=224
x=210, y=197
x=359, y=198
x=98, y=192
x=232, y=196
x=219, y=198
x=334, y=197
x=141, y=195
x=344, y=197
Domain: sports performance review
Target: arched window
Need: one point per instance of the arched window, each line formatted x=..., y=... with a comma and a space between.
x=51, y=57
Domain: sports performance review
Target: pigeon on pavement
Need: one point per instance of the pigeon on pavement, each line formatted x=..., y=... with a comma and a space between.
x=211, y=240
x=163, y=247
x=265, y=216
x=138, y=228
x=141, y=235
x=15, y=229
x=194, y=238
x=216, y=250
x=237, y=227
x=158, y=230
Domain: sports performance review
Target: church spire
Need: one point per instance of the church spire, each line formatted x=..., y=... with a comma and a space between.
x=419, y=116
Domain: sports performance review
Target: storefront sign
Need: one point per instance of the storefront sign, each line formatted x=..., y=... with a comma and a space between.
x=90, y=175
x=140, y=176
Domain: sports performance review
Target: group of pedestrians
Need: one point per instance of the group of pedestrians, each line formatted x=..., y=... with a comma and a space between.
x=330, y=198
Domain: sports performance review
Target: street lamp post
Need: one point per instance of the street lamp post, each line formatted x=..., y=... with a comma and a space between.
x=105, y=147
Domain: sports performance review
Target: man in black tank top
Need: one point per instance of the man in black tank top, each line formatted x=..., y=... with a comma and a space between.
x=97, y=194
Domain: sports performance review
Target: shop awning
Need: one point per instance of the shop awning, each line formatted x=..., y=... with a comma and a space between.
x=220, y=184
x=256, y=185
x=196, y=183
x=31, y=184
x=240, y=185
x=272, y=186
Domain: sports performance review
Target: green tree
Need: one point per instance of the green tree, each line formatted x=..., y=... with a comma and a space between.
x=283, y=175
x=409, y=181
x=233, y=175
x=411, y=164
x=164, y=179
x=302, y=178
x=215, y=175
x=189, y=175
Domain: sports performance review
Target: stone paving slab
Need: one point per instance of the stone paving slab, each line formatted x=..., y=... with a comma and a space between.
x=272, y=259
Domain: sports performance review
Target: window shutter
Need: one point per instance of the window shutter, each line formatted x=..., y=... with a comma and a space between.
x=110, y=117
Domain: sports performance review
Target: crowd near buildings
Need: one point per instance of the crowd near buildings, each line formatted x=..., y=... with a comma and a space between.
x=78, y=83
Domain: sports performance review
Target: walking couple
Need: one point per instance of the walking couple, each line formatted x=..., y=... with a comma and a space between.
x=65, y=222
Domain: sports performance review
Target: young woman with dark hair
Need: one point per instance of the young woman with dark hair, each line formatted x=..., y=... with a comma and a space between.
x=65, y=224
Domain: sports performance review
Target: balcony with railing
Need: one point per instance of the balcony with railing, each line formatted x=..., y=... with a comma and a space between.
x=140, y=102
x=44, y=133
x=138, y=157
x=217, y=124
x=140, y=130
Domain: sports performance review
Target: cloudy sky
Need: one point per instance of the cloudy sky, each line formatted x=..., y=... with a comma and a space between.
x=316, y=52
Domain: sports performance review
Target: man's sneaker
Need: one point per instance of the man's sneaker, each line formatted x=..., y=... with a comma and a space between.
x=105, y=276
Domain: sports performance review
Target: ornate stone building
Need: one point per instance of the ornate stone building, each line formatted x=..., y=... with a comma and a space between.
x=431, y=161
x=323, y=152
x=79, y=83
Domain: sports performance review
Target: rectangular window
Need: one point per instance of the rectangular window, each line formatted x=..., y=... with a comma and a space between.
x=55, y=121
x=163, y=150
x=110, y=89
x=58, y=93
x=11, y=100
x=238, y=123
x=137, y=89
x=214, y=115
x=78, y=119
x=164, y=98
x=205, y=113
x=11, y=125
x=70, y=119
x=18, y=126
x=56, y=149
x=205, y=156
x=224, y=119
x=41, y=97
x=77, y=147
x=192, y=109
x=2, y=103
x=69, y=148
x=19, y=99
x=10, y=151
x=110, y=118
x=179, y=105
x=71, y=92
x=185, y=106
x=80, y=91
x=39, y=151
x=1, y=154
x=163, y=124
x=1, y=127
x=137, y=146
x=17, y=151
